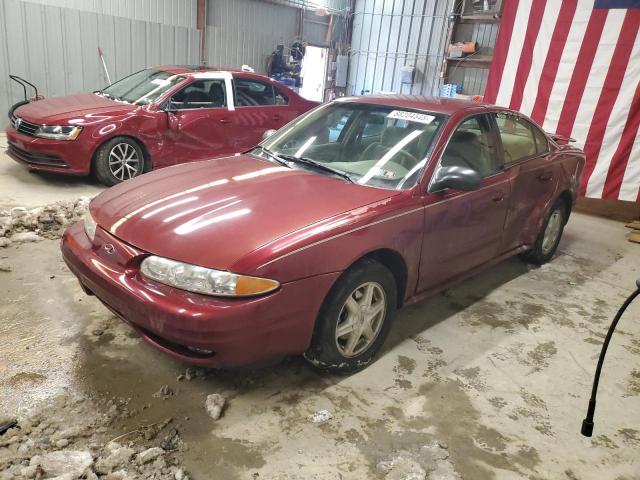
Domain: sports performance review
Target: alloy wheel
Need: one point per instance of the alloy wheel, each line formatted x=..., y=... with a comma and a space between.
x=551, y=233
x=361, y=318
x=124, y=161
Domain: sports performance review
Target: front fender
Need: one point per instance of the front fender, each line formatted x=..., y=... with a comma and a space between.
x=396, y=226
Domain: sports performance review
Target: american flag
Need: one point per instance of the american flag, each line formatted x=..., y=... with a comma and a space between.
x=574, y=67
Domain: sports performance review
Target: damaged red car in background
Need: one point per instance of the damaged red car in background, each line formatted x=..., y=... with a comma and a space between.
x=154, y=118
x=309, y=243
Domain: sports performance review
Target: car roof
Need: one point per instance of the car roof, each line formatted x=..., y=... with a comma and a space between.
x=193, y=69
x=445, y=105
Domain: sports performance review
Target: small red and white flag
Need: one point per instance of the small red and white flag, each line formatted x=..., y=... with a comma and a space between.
x=574, y=67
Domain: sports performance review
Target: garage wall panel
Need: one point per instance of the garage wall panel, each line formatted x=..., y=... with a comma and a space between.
x=169, y=12
x=247, y=31
x=54, y=43
x=389, y=34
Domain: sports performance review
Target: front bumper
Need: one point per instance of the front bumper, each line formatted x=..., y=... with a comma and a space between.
x=236, y=331
x=41, y=154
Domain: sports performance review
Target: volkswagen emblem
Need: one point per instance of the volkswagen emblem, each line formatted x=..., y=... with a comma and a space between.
x=109, y=249
x=17, y=122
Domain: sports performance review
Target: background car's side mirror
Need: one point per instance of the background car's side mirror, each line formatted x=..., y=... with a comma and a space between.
x=170, y=106
x=172, y=118
x=268, y=133
x=456, y=178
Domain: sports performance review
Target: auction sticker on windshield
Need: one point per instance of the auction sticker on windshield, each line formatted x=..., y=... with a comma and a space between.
x=411, y=116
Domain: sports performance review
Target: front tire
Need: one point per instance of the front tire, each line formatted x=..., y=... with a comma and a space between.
x=119, y=159
x=549, y=237
x=354, y=319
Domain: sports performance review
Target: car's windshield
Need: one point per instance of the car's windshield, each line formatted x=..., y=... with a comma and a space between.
x=375, y=145
x=142, y=87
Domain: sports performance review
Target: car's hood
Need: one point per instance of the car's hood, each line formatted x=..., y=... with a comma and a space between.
x=80, y=109
x=213, y=213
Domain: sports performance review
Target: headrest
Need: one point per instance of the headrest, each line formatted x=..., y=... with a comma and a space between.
x=392, y=135
x=216, y=92
x=463, y=136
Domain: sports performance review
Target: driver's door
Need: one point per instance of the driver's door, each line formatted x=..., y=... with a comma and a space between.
x=200, y=123
x=463, y=230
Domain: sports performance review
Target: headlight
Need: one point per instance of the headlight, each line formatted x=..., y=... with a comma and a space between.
x=90, y=225
x=204, y=280
x=58, y=132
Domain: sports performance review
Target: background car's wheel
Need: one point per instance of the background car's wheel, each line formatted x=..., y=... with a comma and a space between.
x=118, y=160
x=549, y=237
x=354, y=319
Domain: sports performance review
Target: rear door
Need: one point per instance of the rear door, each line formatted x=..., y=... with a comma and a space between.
x=463, y=230
x=525, y=150
x=200, y=124
x=260, y=106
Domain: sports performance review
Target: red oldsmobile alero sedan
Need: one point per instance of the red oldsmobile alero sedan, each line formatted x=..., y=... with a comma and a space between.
x=311, y=241
x=154, y=118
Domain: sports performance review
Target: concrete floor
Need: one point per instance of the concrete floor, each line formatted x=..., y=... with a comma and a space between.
x=487, y=381
x=20, y=188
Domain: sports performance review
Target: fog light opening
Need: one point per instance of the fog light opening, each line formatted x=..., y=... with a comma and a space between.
x=200, y=351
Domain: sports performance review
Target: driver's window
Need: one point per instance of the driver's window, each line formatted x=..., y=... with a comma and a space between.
x=472, y=146
x=201, y=94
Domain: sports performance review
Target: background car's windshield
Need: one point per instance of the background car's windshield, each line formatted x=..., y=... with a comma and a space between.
x=379, y=146
x=142, y=87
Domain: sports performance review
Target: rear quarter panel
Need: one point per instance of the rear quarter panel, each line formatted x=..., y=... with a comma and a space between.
x=532, y=198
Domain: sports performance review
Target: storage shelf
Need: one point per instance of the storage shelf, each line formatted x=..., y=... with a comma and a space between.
x=475, y=61
x=490, y=18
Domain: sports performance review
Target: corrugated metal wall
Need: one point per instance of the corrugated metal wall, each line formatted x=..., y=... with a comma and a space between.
x=247, y=31
x=181, y=13
x=388, y=34
x=56, y=47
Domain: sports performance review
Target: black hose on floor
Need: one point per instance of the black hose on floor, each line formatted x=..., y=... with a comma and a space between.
x=587, y=423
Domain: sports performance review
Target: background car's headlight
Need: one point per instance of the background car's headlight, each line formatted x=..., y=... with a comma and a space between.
x=58, y=132
x=204, y=280
x=89, y=225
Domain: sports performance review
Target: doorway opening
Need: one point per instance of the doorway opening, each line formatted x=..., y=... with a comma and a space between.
x=314, y=73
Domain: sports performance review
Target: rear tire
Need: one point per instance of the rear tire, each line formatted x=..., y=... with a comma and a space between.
x=119, y=159
x=550, y=234
x=354, y=319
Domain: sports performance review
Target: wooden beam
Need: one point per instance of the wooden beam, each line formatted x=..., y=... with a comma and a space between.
x=613, y=209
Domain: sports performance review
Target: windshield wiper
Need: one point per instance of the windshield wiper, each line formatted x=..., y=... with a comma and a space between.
x=274, y=156
x=106, y=95
x=318, y=165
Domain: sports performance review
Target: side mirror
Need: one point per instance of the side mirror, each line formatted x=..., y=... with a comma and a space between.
x=172, y=119
x=268, y=133
x=170, y=107
x=456, y=178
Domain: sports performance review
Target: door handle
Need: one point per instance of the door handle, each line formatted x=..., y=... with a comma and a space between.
x=276, y=117
x=498, y=198
x=545, y=176
x=225, y=120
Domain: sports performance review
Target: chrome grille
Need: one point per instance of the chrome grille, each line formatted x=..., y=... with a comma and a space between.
x=22, y=126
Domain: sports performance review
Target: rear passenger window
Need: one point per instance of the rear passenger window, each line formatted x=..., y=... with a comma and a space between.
x=281, y=98
x=252, y=93
x=518, y=138
x=542, y=144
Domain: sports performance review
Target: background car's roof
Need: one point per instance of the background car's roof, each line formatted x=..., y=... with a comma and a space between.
x=191, y=69
x=444, y=105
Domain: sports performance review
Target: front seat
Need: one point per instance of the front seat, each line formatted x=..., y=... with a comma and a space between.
x=216, y=94
x=389, y=139
x=466, y=150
